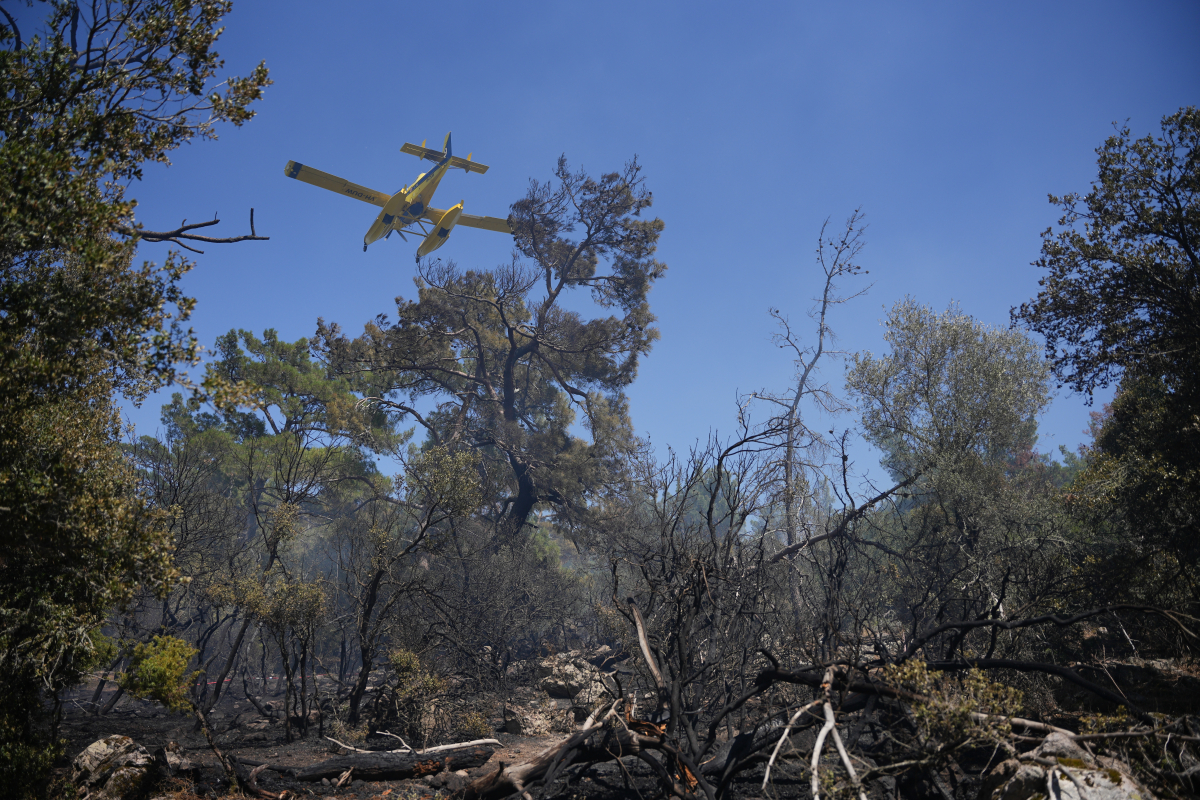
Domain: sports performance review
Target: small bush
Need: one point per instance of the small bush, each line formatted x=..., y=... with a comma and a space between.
x=474, y=725
x=946, y=720
x=156, y=671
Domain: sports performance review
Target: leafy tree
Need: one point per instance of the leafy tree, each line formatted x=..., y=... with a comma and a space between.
x=298, y=459
x=1121, y=302
x=1140, y=492
x=1122, y=286
x=951, y=391
x=103, y=88
x=107, y=88
x=953, y=409
x=377, y=545
x=506, y=365
x=76, y=542
x=158, y=670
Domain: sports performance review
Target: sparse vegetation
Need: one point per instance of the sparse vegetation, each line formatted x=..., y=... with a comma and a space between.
x=448, y=523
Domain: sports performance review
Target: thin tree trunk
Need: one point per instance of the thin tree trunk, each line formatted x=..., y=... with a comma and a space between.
x=96, y=695
x=366, y=645
x=303, y=691
x=226, y=764
x=112, y=701
x=233, y=653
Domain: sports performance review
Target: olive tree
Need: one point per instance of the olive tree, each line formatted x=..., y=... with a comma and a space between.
x=506, y=366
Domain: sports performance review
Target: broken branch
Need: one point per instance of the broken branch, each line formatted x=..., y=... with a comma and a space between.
x=183, y=232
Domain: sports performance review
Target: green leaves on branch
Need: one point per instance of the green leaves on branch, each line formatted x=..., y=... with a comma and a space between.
x=506, y=366
x=951, y=389
x=445, y=483
x=1120, y=300
x=1121, y=290
x=107, y=88
x=78, y=538
x=955, y=711
x=158, y=671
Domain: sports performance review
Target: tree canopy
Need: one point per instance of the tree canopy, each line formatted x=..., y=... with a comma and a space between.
x=1122, y=285
x=505, y=365
x=1120, y=302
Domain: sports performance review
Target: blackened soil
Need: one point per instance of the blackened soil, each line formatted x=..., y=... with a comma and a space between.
x=242, y=732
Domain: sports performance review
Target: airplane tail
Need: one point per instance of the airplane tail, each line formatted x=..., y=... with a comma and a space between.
x=429, y=154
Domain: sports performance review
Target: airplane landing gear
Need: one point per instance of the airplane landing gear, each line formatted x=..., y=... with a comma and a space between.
x=364, y=248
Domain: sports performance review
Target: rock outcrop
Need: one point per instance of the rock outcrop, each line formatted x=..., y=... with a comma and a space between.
x=112, y=768
x=1059, y=769
x=571, y=676
x=523, y=721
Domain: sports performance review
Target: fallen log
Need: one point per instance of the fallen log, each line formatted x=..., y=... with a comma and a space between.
x=395, y=766
x=505, y=780
x=250, y=762
x=248, y=779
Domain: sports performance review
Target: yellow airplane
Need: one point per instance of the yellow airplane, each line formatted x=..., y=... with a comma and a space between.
x=409, y=207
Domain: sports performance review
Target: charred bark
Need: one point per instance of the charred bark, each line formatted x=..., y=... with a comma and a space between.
x=396, y=766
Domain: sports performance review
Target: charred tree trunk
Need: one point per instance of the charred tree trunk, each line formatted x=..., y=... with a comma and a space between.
x=366, y=645
x=396, y=766
x=229, y=662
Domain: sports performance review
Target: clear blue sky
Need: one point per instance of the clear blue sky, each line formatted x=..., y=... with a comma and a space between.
x=949, y=123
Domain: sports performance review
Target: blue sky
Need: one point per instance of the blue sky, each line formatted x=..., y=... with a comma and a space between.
x=948, y=123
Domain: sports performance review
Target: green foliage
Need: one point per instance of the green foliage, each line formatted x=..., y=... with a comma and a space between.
x=281, y=604
x=1121, y=300
x=158, y=671
x=507, y=365
x=83, y=106
x=474, y=725
x=1142, y=478
x=292, y=394
x=951, y=391
x=102, y=89
x=78, y=538
x=1122, y=284
x=964, y=710
x=24, y=761
x=445, y=482
x=413, y=691
x=980, y=527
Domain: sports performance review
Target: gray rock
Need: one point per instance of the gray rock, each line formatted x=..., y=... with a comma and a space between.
x=1061, y=768
x=113, y=767
x=1059, y=745
x=568, y=675
x=1107, y=784
x=172, y=763
x=1012, y=780
x=525, y=722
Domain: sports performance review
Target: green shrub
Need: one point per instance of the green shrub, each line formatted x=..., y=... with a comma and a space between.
x=156, y=671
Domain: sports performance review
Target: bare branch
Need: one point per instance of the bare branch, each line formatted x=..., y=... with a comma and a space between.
x=16, y=31
x=183, y=232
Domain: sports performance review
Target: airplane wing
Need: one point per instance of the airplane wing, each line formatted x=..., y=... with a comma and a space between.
x=434, y=215
x=436, y=156
x=487, y=223
x=334, y=184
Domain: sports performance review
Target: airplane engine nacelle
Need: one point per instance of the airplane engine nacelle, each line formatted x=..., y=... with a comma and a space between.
x=441, y=231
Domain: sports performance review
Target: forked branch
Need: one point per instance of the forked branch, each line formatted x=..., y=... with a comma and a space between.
x=184, y=233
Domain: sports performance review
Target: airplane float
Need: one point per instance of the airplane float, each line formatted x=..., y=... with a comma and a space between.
x=409, y=207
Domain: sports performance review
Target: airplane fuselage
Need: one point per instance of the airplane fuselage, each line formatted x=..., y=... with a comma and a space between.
x=407, y=205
